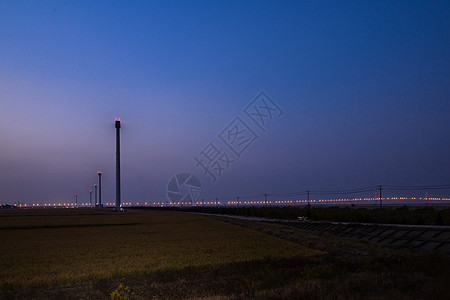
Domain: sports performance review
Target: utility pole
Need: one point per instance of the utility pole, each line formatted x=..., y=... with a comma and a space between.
x=265, y=199
x=76, y=199
x=90, y=197
x=307, y=192
x=381, y=198
x=237, y=199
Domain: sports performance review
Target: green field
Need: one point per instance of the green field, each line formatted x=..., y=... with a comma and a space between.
x=87, y=253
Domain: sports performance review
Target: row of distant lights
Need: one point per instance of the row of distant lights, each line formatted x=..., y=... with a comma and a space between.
x=232, y=202
x=334, y=200
x=70, y=204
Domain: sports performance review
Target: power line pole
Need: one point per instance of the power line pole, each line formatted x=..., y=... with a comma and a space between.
x=265, y=199
x=90, y=197
x=307, y=192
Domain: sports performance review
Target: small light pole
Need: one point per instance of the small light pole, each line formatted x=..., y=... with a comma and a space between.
x=381, y=199
x=95, y=194
x=100, y=189
x=76, y=199
x=90, y=197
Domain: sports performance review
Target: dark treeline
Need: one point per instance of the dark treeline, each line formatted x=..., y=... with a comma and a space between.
x=400, y=215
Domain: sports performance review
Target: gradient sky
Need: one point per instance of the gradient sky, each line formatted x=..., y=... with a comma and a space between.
x=364, y=87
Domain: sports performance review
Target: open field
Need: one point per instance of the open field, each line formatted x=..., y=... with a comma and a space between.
x=391, y=215
x=43, y=248
x=86, y=253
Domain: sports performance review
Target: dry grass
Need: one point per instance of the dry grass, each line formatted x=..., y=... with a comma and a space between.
x=43, y=248
x=163, y=255
x=356, y=269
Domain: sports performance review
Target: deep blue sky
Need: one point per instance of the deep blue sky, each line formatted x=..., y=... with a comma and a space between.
x=364, y=87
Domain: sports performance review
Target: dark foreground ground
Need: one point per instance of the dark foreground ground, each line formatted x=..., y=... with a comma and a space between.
x=350, y=269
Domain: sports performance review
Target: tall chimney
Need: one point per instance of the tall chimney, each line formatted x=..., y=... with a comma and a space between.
x=117, y=125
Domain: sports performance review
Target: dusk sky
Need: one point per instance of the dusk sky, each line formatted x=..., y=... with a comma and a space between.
x=362, y=88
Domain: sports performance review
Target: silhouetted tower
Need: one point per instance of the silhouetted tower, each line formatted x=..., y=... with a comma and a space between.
x=90, y=197
x=380, y=188
x=95, y=194
x=100, y=189
x=117, y=125
x=76, y=199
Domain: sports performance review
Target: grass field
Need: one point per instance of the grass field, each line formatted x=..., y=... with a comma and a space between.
x=393, y=215
x=87, y=253
x=44, y=248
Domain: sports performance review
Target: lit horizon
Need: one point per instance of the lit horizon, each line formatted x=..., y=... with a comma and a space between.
x=362, y=91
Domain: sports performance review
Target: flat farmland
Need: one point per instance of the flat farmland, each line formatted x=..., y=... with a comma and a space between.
x=87, y=253
x=43, y=248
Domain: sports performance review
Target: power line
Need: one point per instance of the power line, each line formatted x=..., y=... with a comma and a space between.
x=348, y=191
x=416, y=187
